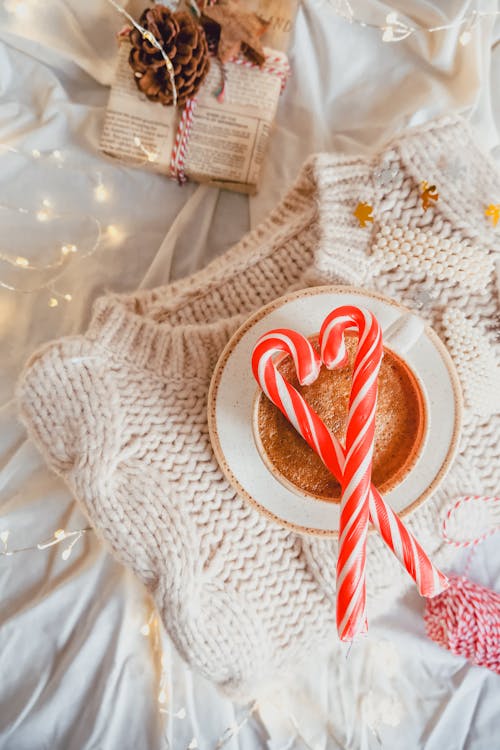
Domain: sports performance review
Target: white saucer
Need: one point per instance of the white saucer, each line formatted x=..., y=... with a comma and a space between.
x=233, y=390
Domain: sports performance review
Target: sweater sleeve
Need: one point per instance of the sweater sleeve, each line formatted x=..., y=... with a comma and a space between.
x=67, y=406
x=68, y=399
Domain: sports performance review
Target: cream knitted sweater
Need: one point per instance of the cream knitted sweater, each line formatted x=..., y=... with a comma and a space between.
x=120, y=413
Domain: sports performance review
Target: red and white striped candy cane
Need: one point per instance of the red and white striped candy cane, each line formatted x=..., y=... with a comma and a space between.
x=283, y=395
x=429, y=579
x=309, y=425
x=357, y=469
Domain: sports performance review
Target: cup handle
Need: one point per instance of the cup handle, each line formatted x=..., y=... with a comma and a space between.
x=404, y=332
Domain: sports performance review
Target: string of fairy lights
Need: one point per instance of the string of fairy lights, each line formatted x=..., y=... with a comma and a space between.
x=47, y=213
x=151, y=629
x=59, y=536
x=394, y=28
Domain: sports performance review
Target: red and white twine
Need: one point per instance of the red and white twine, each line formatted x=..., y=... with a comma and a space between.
x=465, y=619
x=276, y=65
x=178, y=157
x=482, y=505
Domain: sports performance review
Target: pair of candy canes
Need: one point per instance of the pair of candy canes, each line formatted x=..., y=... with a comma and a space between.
x=352, y=466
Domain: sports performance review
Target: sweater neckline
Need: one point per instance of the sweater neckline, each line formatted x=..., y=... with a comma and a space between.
x=179, y=330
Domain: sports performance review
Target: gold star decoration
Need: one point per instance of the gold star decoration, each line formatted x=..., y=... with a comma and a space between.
x=363, y=213
x=235, y=30
x=493, y=212
x=428, y=194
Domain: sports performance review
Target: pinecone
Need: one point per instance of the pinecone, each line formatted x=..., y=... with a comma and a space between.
x=184, y=43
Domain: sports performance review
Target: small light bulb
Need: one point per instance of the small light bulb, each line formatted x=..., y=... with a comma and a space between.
x=66, y=553
x=68, y=297
x=465, y=38
x=57, y=155
x=101, y=193
x=388, y=34
x=4, y=536
x=21, y=9
x=60, y=533
x=35, y=153
x=67, y=249
x=20, y=261
x=44, y=213
x=162, y=698
x=391, y=18
x=145, y=629
x=53, y=302
x=115, y=233
x=150, y=155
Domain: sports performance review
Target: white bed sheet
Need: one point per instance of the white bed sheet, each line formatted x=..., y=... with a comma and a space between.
x=76, y=671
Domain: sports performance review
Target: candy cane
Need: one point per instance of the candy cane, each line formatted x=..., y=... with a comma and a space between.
x=357, y=469
x=430, y=581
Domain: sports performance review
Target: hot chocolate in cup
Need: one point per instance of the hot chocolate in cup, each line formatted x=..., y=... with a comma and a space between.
x=400, y=423
x=423, y=375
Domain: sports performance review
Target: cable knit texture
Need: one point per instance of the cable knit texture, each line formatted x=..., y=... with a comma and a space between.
x=120, y=413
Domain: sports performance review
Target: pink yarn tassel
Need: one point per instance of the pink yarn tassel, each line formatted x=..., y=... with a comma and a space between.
x=465, y=619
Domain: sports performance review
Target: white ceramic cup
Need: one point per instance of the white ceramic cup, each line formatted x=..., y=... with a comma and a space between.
x=232, y=403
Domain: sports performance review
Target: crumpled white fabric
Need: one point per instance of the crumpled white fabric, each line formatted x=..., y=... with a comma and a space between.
x=77, y=673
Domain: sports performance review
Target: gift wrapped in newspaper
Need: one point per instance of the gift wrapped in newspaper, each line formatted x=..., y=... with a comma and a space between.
x=220, y=134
